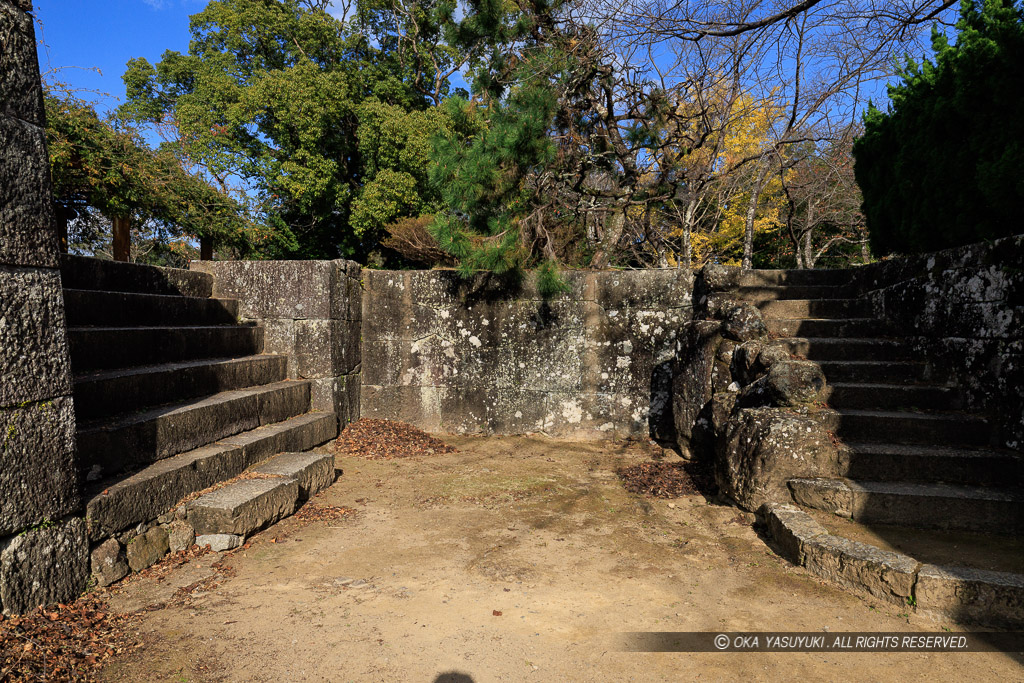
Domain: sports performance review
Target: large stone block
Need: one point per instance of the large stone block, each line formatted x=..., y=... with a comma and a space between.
x=43, y=565
x=27, y=232
x=244, y=506
x=34, y=364
x=972, y=595
x=313, y=471
x=650, y=289
x=278, y=289
x=38, y=469
x=20, y=93
x=324, y=348
x=761, y=449
x=420, y=406
x=108, y=562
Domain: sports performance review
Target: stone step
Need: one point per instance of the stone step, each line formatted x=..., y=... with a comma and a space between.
x=86, y=272
x=934, y=464
x=799, y=278
x=243, y=507
x=106, y=447
x=94, y=348
x=759, y=293
x=839, y=371
x=926, y=506
x=88, y=307
x=899, y=426
x=313, y=471
x=827, y=327
x=881, y=396
x=966, y=594
x=816, y=308
x=838, y=348
x=120, y=504
x=246, y=506
x=105, y=393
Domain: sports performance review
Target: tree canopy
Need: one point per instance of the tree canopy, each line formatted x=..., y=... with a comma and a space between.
x=101, y=171
x=941, y=166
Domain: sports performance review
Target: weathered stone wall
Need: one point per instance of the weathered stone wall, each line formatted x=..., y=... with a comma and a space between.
x=964, y=311
x=43, y=551
x=488, y=356
x=310, y=311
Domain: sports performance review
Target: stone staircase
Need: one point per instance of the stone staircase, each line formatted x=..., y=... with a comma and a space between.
x=173, y=396
x=911, y=458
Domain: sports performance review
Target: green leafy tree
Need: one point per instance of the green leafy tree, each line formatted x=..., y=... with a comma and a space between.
x=942, y=166
x=269, y=97
x=101, y=171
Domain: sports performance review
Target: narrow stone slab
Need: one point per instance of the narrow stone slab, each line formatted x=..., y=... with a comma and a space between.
x=244, y=506
x=313, y=471
x=972, y=595
x=219, y=542
x=792, y=529
x=886, y=575
x=831, y=495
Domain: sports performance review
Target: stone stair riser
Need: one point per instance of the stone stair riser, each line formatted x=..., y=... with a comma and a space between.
x=761, y=293
x=847, y=349
x=123, y=309
x=967, y=470
x=827, y=327
x=910, y=428
x=144, y=496
x=104, y=451
x=83, y=272
x=944, y=508
x=890, y=397
x=816, y=308
x=796, y=278
x=130, y=390
x=108, y=347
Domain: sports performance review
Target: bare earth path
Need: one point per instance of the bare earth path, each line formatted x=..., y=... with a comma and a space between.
x=538, y=530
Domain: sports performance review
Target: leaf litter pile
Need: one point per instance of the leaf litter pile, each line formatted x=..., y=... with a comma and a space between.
x=668, y=479
x=63, y=642
x=387, y=440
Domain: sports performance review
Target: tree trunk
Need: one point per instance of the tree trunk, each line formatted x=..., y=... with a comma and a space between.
x=691, y=209
x=614, y=226
x=809, y=258
x=205, y=248
x=748, y=233
x=122, y=246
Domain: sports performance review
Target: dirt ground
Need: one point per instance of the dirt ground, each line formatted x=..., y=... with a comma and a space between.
x=515, y=559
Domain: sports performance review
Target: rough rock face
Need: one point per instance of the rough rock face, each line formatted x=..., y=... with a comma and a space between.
x=763, y=448
x=740, y=398
x=692, y=384
x=108, y=562
x=489, y=356
x=965, y=310
x=146, y=549
x=43, y=565
x=788, y=383
x=40, y=560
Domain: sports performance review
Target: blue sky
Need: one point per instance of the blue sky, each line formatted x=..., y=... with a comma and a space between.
x=105, y=34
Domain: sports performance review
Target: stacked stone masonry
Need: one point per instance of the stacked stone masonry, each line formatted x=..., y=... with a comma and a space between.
x=310, y=312
x=487, y=356
x=43, y=552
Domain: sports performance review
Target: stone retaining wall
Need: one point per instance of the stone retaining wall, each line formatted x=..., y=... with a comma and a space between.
x=963, y=309
x=309, y=311
x=43, y=551
x=491, y=357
